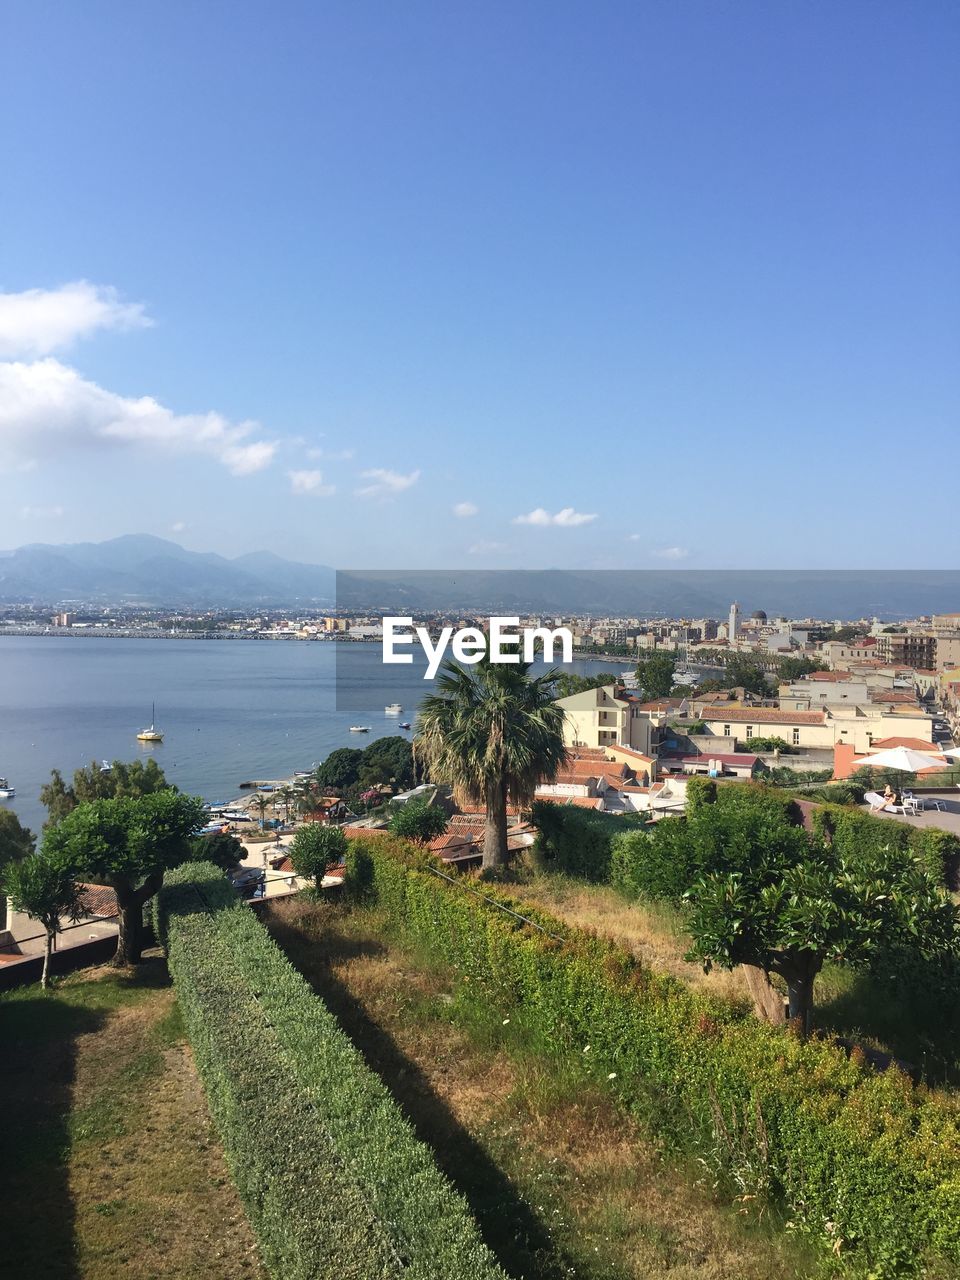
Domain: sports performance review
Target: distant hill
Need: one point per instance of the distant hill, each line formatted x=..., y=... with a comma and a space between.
x=145, y=570
x=693, y=593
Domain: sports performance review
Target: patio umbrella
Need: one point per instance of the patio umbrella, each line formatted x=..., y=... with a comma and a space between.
x=903, y=758
x=954, y=751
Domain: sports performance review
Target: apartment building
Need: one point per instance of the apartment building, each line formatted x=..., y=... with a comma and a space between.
x=606, y=717
x=821, y=729
x=907, y=648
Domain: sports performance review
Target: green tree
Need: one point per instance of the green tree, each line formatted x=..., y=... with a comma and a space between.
x=46, y=892
x=16, y=842
x=341, y=769
x=655, y=674
x=493, y=732
x=795, y=668
x=799, y=901
x=261, y=804
x=316, y=847
x=96, y=783
x=387, y=760
x=569, y=683
x=745, y=672
x=127, y=843
x=419, y=821
x=220, y=847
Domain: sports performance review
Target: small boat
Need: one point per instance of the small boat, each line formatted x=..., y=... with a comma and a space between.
x=392, y=709
x=405, y=724
x=152, y=734
x=6, y=791
x=359, y=728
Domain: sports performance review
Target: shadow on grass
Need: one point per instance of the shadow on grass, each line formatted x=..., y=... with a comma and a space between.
x=510, y=1229
x=37, y=1066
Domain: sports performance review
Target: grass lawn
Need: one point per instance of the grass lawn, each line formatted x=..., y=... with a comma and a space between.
x=562, y=1183
x=111, y=1167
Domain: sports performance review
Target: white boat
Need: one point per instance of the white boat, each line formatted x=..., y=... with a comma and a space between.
x=392, y=709
x=359, y=728
x=152, y=734
x=6, y=791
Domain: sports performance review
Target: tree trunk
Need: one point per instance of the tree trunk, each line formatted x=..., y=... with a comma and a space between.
x=767, y=1000
x=495, y=829
x=130, y=902
x=48, y=947
x=800, y=978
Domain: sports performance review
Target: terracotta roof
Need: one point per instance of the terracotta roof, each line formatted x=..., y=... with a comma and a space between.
x=765, y=715
x=661, y=704
x=914, y=744
x=579, y=802
x=97, y=900
x=831, y=676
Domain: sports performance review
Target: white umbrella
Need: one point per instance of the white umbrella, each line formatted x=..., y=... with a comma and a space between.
x=903, y=758
x=954, y=751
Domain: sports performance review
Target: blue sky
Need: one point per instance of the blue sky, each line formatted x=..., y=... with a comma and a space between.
x=676, y=284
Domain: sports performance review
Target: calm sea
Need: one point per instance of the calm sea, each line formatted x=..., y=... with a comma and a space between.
x=229, y=710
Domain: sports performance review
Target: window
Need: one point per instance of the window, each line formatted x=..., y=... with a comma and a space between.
x=796, y=737
x=749, y=730
x=726, y=731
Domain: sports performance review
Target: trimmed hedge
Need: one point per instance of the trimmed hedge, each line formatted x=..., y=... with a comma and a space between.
x=333, y=1179
x=867, y=1163
x=579, y=841
x=938, y=850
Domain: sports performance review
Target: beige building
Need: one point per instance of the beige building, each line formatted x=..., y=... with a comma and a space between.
x=822, y=729
x=601, y=718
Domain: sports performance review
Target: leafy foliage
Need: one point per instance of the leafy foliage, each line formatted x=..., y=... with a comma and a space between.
x=95, y=783
x=387, y=759
x=316, y=847
x=128, y=843
x=655, y=674
x=220, y=848
x=418, y=820
x=568, y=682
x=578, y=841
x=865, y=1163
x=769, y=744
x=46, y=892
x=16, y=842
x=333, y=1179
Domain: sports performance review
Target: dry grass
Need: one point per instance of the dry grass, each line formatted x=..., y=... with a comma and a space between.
x=651, y=932
x=562, y=1182
x=113, y=1170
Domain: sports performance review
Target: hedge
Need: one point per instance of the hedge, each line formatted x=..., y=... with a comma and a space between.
x=576, y=840
x=866, y=1163
x=333, y=1179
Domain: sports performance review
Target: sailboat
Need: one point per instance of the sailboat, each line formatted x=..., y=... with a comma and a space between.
x=152, y=734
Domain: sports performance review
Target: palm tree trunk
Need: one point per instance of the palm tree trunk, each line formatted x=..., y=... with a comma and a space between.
x=495, y=828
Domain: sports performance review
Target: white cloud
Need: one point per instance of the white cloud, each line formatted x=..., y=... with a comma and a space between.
x=38, y=321
x=46, y=407
x=331, y=455
x=178, y=526
x=671, y=553
x=310, y=482
x=566, y=518
x=465, y=509
x=636, y=537
x=41, y=513
x=385, y=483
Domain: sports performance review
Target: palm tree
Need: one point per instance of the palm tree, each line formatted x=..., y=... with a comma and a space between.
x=261, y=802
x=493, y=732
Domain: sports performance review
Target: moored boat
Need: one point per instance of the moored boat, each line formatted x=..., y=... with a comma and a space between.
x=6, y=791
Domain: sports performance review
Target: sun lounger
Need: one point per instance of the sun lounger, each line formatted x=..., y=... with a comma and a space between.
x=877, y=803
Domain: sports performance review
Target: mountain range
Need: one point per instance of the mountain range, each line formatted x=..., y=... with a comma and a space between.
x=139, y=569
x=144, y=570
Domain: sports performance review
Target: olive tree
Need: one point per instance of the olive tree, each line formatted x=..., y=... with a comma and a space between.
x=127, y=843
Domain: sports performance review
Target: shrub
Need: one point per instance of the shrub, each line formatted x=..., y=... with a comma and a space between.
x=578, y=841
x=333, y=1179
x=700, y=791
x=866, y=1163
x=316, y=847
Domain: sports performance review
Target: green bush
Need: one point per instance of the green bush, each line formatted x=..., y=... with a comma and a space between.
x=700, y=791
x=333, y=1179
x=867, y=1164
x=578, y=841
